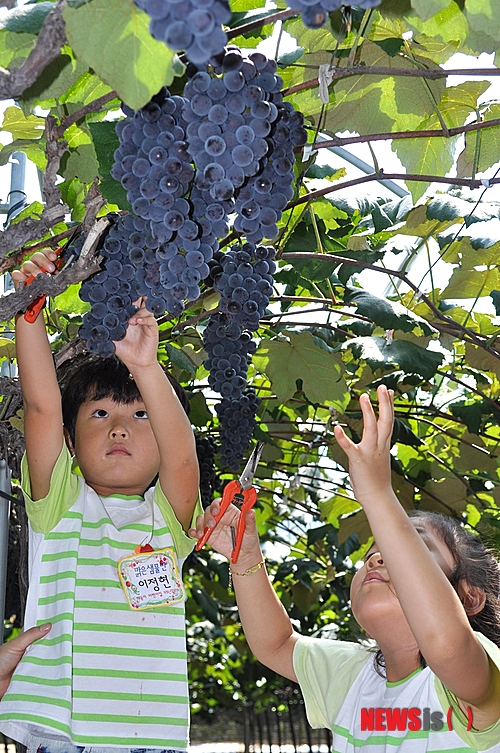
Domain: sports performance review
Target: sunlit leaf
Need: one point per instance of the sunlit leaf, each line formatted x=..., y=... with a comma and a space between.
x=287, y=360
x=114, y=40
x=22, y=127
x=382, y=354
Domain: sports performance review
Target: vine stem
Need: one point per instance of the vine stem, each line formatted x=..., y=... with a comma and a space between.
x=381, y=175
x=280, y=15
x=432, y=133
x=361, y=70
x=396, y=273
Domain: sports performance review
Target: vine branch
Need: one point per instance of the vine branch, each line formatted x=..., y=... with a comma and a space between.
x=53, y=285
x=360, y=70
x=439, y=133
x=47, y=48
x=401, y=276
x=381, y=175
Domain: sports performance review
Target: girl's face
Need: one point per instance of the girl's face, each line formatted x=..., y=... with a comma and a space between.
x=373, y=597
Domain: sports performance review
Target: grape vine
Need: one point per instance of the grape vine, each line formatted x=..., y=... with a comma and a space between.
x=221, y=155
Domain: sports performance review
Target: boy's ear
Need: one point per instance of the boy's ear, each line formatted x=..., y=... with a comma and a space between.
x=69, y=443
x=473, y=598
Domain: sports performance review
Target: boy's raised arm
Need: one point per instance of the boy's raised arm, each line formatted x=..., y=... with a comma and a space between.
x=179, y=470
x=43, y=424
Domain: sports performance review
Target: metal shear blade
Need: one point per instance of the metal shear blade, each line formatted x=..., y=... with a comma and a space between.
x=246, y=478
x=240, y=492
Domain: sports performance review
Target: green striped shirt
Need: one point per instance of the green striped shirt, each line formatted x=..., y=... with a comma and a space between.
x=106, y=675
x=343, y=691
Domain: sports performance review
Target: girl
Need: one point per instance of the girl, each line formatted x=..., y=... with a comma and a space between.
x=424, y=585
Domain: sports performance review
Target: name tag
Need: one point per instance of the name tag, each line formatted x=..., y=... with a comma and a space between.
x=151, y=579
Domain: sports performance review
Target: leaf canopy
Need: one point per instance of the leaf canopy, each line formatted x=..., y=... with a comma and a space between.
x=383, y=277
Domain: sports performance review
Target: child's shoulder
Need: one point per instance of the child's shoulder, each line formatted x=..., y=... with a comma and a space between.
x=183, y=543
x=322, y=652
x=45, y=513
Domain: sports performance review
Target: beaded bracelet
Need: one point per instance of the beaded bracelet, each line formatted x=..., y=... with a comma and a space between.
x=250, y=571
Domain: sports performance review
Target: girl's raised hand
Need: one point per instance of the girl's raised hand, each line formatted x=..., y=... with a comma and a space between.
x=369, y=461
x=221, y=538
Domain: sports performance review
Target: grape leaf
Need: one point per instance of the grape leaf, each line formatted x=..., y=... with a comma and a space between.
x=379, y=353
x=386, y=314
x=113, y=40
x=22, y=127
x=286, y=361
x=27, y=19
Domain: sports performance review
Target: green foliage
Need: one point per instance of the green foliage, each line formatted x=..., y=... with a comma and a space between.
x=114, y=41
x=425, y=323
x=285, y=361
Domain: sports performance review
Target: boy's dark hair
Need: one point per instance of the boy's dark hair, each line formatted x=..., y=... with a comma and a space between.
x=475, y=564
x=94, y=378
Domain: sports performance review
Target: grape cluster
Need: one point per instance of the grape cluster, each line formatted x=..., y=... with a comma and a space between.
x=261, y=201
x=205, y=450
x=243, y=277
x=245, y=283
x=233, y=125
x=315, y=14
x=110, y=292
x=229, y=348
x=191, y=165
x=229, y=116
x=191, y=25
x=153, y=165
x=237, y=422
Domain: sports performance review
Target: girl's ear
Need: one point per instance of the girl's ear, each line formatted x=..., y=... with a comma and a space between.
x=473, y=598
x=69, y=443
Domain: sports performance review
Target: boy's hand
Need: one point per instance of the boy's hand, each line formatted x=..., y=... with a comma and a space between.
x=369, y=461
x=221, y=538
x=41, y=261
x=140, y=345
x=12, y=652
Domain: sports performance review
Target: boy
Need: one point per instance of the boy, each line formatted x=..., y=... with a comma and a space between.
x=106, y=550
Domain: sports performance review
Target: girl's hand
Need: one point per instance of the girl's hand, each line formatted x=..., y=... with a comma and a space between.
x=41, y=261
x=369, y=461
x=221, y=538
x=139, y=347
x=12, y=652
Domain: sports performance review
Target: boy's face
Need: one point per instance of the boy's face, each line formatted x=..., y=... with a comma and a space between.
x=115, y=447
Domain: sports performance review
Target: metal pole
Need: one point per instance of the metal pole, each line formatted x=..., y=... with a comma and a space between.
x=5, y=486
x=16, y=201
x=17, y=194
x=364, y=167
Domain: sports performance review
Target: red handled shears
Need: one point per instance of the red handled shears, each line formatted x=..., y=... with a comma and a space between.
x=37, y=305
x=242, y=493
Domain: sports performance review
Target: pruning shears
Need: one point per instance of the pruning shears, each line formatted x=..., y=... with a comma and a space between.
x=37, y=305
x=243, y=494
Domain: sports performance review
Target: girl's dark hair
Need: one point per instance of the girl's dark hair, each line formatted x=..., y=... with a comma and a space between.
x=475, y=564
x=94, y=378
